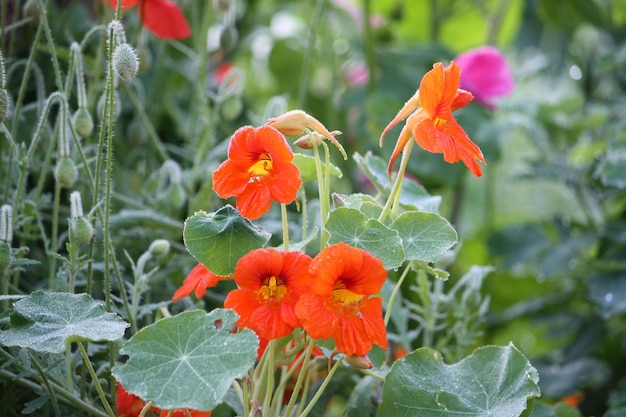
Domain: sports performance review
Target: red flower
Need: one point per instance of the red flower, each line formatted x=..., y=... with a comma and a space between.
x=259, y=169
x=270, y=283
x=432, y=125
x=130, y=405
x=198, y=280
x=161, y=17
x=127, y=404
x=339, y=303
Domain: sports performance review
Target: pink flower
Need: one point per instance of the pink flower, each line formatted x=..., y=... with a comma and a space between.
x=485, y=74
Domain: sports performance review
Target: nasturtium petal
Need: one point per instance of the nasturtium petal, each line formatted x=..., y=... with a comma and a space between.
x=48, y=322
x=217, y=240
x=350, y=226
x=425, y=236
x=494, y=381
x=187, y=361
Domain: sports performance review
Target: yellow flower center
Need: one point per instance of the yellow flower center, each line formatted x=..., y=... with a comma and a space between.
x=261, y=168
x=346, y=301
x=273, y=289
x=439, y=122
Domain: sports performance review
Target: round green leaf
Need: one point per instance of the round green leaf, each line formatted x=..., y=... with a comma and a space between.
x=494, y=381
x=425, y=236
x=48, y=322
x=350, y=226
x=218, y=240
x=187, y=361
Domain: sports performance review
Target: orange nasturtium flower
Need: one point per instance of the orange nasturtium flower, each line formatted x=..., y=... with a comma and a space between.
x=429, y=119
x=270, y=283
x=198, y=280
x=259, y=169
x=161, y=17
x=339, y=305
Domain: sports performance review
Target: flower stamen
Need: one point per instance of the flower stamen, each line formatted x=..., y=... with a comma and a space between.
x=262, y=168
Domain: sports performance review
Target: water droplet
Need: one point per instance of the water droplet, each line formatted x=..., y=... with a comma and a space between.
x=608, y=297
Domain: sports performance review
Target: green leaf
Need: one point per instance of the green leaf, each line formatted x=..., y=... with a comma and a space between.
x=350, y=226
x=365, y=203
x=48, y=322
x=362, y=401
x=608, y=290
x=611, y=169
x=413, y=195
x=493, y=381
x=308, y=170
x=425, y=236
x=219, y=239
x=187, y=361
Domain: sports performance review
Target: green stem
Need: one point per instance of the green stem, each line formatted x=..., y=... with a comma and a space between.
x=46, y=382
x=55, y=61
x=283, y=214
x=94, y=377
x=54, y=236
x=269, y=389
x=322, y=191
x=308, y=58
x=321, y=389
x=395, y=291
x=301, y=377
x=393, y=201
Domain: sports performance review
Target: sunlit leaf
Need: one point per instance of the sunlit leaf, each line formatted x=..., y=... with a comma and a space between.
x=187, y=361
x=48, y=322
x=425, y=236
x=350, y=226
x=493, y=381
x=219, y=239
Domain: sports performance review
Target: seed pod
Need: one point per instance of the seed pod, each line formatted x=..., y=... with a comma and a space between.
x=159, y=247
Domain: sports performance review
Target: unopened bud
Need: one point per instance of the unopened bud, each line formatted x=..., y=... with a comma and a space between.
x=295, y=122
x=231, y=108
x=83, y=123
x=82, y=228
x=31, y=9
x=125, y=62
x=176, y=196
x=65, y=173
x=228, y=38
x=159, y=247
x=361, y=362
x=4, y=104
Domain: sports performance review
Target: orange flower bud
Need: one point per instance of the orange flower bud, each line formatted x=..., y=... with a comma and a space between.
x=361, y=362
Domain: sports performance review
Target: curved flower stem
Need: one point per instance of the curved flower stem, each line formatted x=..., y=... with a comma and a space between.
x=395, y=291
x=393, y=201
x=322, y=191
x=283, y=215
x=321, y=389
x=94, y=376
x=46, y=382
x=374, y=375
